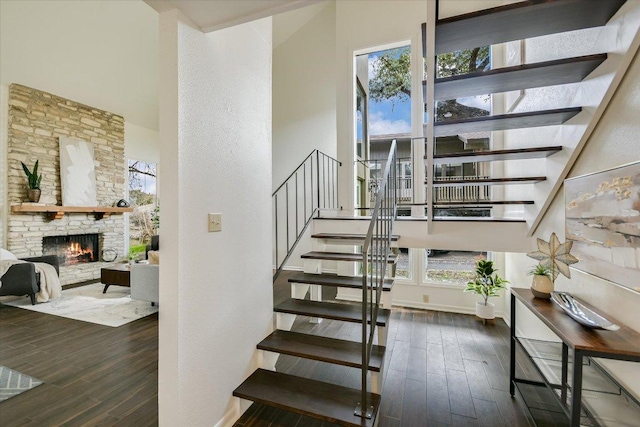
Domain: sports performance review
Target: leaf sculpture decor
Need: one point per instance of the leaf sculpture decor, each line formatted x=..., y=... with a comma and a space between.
x=555, y=256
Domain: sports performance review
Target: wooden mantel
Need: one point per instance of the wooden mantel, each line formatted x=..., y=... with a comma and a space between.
x=57, y=212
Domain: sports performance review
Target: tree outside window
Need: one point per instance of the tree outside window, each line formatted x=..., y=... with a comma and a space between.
x=144, y=220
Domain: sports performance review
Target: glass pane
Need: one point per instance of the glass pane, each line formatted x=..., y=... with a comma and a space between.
x=144, y=221
x=450, y=267
x=454, y=64
x=403, y=265
x=360, y=106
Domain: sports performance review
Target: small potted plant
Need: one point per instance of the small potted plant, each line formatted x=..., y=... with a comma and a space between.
x=487, y=283
x=542, y=285
x=133, y=257
x=33, y=192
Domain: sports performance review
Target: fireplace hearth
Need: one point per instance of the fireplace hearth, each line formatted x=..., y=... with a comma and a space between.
x=72, y=249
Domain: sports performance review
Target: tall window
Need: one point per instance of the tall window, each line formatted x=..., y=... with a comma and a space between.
x=388, y=77
x=144, y=220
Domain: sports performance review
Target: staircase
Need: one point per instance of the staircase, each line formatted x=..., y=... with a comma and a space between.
x=512, y=22
x=314, y=186
x=322, y=400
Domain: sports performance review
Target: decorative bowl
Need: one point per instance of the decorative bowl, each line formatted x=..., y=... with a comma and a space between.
x=580, y=313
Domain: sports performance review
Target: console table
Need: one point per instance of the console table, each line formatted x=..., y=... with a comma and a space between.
x=583, y=342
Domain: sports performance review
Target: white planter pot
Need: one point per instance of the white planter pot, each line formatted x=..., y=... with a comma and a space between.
x=485, y=311
x=541, y=287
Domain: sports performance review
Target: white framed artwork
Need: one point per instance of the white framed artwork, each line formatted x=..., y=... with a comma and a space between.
x=77, y=173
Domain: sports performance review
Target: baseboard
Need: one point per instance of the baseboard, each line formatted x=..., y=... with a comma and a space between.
x=231, y=416
x=424, y=306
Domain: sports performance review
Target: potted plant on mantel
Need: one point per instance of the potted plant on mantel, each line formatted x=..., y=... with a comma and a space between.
x=33, y=192
x=487, y=283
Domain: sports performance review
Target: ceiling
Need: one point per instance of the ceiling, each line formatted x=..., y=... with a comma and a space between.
x=99, y=53
x=105, y=53
x=214, y=15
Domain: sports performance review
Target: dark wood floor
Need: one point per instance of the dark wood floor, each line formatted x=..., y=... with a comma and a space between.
x=441, y=369
x=93, y=374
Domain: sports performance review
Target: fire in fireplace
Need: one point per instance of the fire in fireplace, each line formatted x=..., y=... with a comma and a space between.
x=73, y=249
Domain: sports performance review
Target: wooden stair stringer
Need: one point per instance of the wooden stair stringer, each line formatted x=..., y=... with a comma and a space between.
x=575, y=137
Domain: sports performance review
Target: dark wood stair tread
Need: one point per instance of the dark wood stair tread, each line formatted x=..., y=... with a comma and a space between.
x=505, y=121
x=495, y=155
x=334, y=280
x=483, y=202
x=519, y=21
x=340, y=256
x=526, y=76
x=488, y=181
x=330, y=350
x=346, y=236
x=324, y=401
x=329, y=310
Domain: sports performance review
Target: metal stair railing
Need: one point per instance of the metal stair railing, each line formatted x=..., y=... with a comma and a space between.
x=375, y=252
x=312, y=186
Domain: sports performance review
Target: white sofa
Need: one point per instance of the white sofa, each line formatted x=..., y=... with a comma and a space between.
x=145, y=280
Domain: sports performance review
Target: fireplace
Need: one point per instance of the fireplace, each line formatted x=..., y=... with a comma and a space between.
x=72, y=249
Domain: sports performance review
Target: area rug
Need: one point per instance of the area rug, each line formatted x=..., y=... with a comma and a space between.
x=12, y=383
x=89, y=304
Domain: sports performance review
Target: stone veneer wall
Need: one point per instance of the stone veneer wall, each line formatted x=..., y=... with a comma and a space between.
x=36, y=120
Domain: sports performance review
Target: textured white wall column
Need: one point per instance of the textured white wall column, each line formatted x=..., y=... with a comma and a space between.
x=216, y=157
x=170, y=289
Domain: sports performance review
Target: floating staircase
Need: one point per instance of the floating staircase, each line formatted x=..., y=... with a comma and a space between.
x=511, y=22
x=321, y=400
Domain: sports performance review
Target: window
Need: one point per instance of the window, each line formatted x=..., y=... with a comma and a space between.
x=403, y=264
x=144, y=220
x=450, y=267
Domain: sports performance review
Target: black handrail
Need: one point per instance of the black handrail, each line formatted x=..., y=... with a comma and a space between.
x=312, y=192
x=375, y=253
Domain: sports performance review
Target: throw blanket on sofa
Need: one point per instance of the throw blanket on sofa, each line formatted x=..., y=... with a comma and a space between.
x=49, y=281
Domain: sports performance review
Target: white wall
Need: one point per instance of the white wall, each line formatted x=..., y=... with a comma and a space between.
x=304, y=103
x=615, y=141
x=215, y=289
x=141, y=143
x=304, y=97
x=99, y=53
x=361, y=27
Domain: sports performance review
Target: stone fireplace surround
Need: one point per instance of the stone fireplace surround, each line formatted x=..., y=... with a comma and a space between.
x=36, y=120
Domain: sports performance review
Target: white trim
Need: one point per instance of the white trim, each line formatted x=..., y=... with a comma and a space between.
x=380, y=48
x=4, y=143
x=439, y=307
x=423, y=306
x=231, y=416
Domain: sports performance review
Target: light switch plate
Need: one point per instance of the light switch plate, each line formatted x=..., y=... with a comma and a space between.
x=215, y=222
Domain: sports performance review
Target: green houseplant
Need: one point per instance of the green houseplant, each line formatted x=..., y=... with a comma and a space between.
x=34, y=180
x=542, y=285
x=486, y=283
x=133, y=256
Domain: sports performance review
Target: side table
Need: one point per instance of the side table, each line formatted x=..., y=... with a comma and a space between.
x=117, y=274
